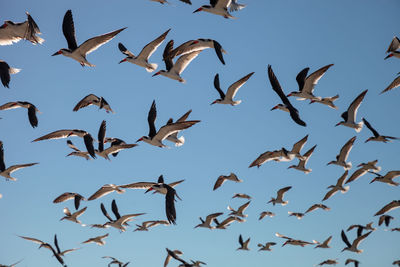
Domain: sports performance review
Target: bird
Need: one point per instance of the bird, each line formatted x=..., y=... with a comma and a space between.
x=279, y=198
x=298, y=215
x=240, y=210
x=377, y=137
x=394, y=84
x=266, y=247
x=92, y=99
x=244, y=245
x=225, y=223
x=98, y=240
x=317, y=206
x=76, y=52
x=222, y=178
x=361, y=228
x=343, y=154
x=387, y=178
x=328, y=262
x=77, y=152
x=169, y=200
x=165, y=1
x=6, y=172
x=105, y=190
x=289, y=155
x=294, y=242
x=115, y=261
x=356, y=262
x=363, y=169
x=179, y=141
x=337, y=187
x=114, y=141
x=275, y=155
x=13, y=32
x=294, y=113
x=353, y=247
x=11, y=265
x=147, y=224
x=173, y=71
x=59, y=252
x=120, y=221
x=231, y=92
x=5, y=71
x=385, y=219
x=174, y=252
x=209, y=219
x=154, y=137
x=217, y=7
x=149, y=186
x=349, y=116
x=73, y=217
x=69, y=195
x=240, y=195
x=388, y=207
x=145, y=54
x=32, y=109
x=308, y=83
x=328, y=101
x=301, y=166
x=324, y=244
x=394, y=45
x=87, y=138
x=266, y=213
x=397, y=262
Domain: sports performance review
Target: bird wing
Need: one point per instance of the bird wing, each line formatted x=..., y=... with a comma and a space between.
x=218, y=50
x=184, y=48
x=69, y=30
x=340, y=181
x=13, y=168
x=356, y=175
x=79, y=212
x=299, y=145
x=125, y=218
x=232, y=90
x=169, y=129
x=359, y=239
x=102, y=135
x=175, y=183
x=93, y=43
x=313, y=79
x=221, y=179
x=388, y=207
x=173, y=255
x=86, y=101
x=170, y=204
x=66, y=211
x=394, y=45
x=88, y=140
x=301, y=78
x=211, y=217
x=183, y=61
x=222, y=4
x=151, y=47
x=392, y=85
x=72, y=146
x=308, y=154
x=330, y=194
x=167, y=55
x=282, y=236
x=241, y=240
x=139, y=185
x=184, y=116
x=125, y=51
x=282, y=191
x=10, y=105
x=117, y=148
x=114, y=209
x=56, y=135
x=242, y=208
x=218, y=87
x=345, y=240
x=56, y=244
x=392, y=174
x=64, y=197
x=104, y=190
x=151, y=118
x=2, y=164
x=105, y=213
x=344, y=152
x=37, y=241
x=374, y=132
x=353, y=108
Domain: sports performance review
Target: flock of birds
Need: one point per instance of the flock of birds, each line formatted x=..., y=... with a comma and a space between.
x=11, y=32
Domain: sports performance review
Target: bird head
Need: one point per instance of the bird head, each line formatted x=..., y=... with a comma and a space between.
x=388, y=56
x=157, y=73
x=215, y=101
x=122, y=60
x=339, y=123
x=140, y=139
x=59, y=52
x=199, y=9
x=275, y=107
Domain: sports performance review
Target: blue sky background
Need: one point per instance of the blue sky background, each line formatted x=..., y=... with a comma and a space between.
x=289, y=35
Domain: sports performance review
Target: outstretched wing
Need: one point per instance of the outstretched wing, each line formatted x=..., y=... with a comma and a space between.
x=69, y=30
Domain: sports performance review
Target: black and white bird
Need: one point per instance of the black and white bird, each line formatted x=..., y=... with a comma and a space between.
x=222, y=178
x=387, y=178
x=69, y=195
x=240, y=210
x=147, y=224
x=353, y=247
x=343, y=155
x=105, y=190
x=93, y=100
x=363, y=169
x=73, y=217
x=32, y=109
x=324, y=244
x=294, y=242
x=337, y=187
x=317, y=206
x=13, y=32
x=115, y=261
x=154, y=137
x=349, y=116
x=244, y=245
x=144, y=55
x=294, y=113
x=279, y=196
x=179, y=141
x=174, y=254
x=79, y=53
x=377, y=137
x=276, y=155
x=266, y=247
x=77, y=152
x=98, y=240
x=209, y=219
x=231, y=92
x=327, y=101
x=388, y=207
x=221, y=8
x=5, y=71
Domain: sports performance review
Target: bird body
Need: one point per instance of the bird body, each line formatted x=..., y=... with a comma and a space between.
x=12, y=32
x=344, y=153
x=349, y=116
x=231, y=92
x=337, y=187
x=217, y=7
x=279, y=198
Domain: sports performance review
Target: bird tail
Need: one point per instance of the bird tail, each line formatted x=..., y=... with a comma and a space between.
x=236, y=102
x=151, y=67
x=359, y=126
x=181, y=141
x=14, y=70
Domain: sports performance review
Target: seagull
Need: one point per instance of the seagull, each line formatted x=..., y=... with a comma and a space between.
x=243, y=244
x=388, y=207
x=145, y=54
x=294, y=242
x=225, y=223
x=266, y=247
x=294, y=113
x=150, y=185
x=298, y=215
x=240, y=195
x=328, y=101
x=222, y=178
x=266, y=213
x=317, y=206
x=98, y=240
x=76, y=52
x=77, y=152
x=120, y=220
x=386, y=219
x=173, y=71
x=147, y=224
x=32, y=109
x=5, y=71
x=356, y=262
x=337, y=187
x=377, y=137
x=328, y=262
x=209, y=219
x=353, y=247
x=105, y=190
x=155, y=138
x=217, y=7
x=301, y=166
x=364, y=168
x=324, y=244
x=392, y=85
x=279, y=198
x=73, y=217
x=343, y=154
x=179, y=141
x=87, y=138
x=92, y=99
x=349, y=116
x=6, y=172
x=48, y=246
x=387, y=178
x=231, y=92
x=67, y=196
x=275, y=155
x=240, y=210
x=307, y=83
x=13, y=32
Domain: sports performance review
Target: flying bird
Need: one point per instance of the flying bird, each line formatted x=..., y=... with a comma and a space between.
x=67, y=196
x=149, y=186
x=76, y=52
x=377, y=137
x=328, y=262
x=364, y=168
x=13, y=32
x=360, y=228
x=276, y=155
x=317, y=206
x=298, y=215
x=244, y=245
x=356, y=262
x=105, y=190
x=349, y=116
x=98, y=240
x=5, y=71
x=337, y=187
x=343, y=154
x=222, y=178
x=220, y=7
x=209, y=219
x=266, y=247
x=279, y=198
x=388, y=207
x=73, y=217
x=147, y=224
x=294, y=242
x=353, y=247
x=266, y=213
x=240, y=195
x=174, y=252
x=301, y=166
x=324, y=244
x=387, y=178
x=93, y=100
x=240, y=210
x=327, y=101
x=119, y=221
x=295, y=152
x=77, y=152
x=32, y=109
x=225, y=223
x=392, y=85
x=231, y=92
x=115, y=261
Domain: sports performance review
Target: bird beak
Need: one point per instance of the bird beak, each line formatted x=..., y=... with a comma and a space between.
x=155, y=74
x=140, y=139
x=3, y=26
x=197, y=10
x=289, y=95
x=388, y=56
x=359, y=165
x=195, y=41
x=369, y=139
x=122, y=61
x=274, y=108
x=337, y=124
x=373, y=180
x=213, y=102
x=312, y=101
x=57, y=53
x=148, y=190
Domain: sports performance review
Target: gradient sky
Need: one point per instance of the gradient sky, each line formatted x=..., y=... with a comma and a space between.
x=289, y=35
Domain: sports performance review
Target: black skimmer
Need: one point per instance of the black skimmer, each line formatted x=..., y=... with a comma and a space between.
x=67, y=196
x=393, y=48
x=364, y=168
x=360, y=228
x=240, y=210
x=388, y=207
x=244, y=245
x=276, y=155
x=356, y=262
x=73, y=217
x=147, y=224
x=98, y=240
x=13, y=32
x=298, y=215
x=76, y=52
x=328, y=262
x=77, y=152
x=32, y=109
x=5, y=71
x=225, y=223
x=231, y=92
x=149, y=186
x=294, y=113
x=145, y=54
x=294, y=242
x=105, y=190
x=266, y=247
x=308, y=83
x=317, y=206
x=385, y=219
x=240, y=195
x=209, y=219
x=337, y=187
x=353, y=247
x=301, y=166
x=377, y=137
x=296, y=149
x=220, y=7
x=279, y=198
x=6, y=172
x=387, y=178
x=222, y=178
x=174, y=252
x=87, y=138
x=324, y=244
x=328, y=101
x=115, y=261
x=93, y=100
x=349, y=116
x=114, y=141
x=343, y=155
x=179, y=141
x=173, y=71
x=266, y=213
x=392, y=85
x=155, y=138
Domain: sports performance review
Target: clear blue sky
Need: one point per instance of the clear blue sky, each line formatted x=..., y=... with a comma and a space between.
x=289, y=35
